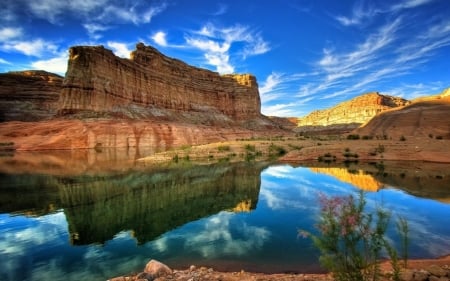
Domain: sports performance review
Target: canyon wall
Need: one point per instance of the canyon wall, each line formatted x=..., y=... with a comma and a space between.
x=29, y=95
x=150, y=84
x=350, y=114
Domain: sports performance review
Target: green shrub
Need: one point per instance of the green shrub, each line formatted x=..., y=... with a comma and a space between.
x=351, y=240
x=353, y=137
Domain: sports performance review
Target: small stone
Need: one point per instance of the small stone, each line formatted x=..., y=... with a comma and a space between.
x=192, y=268
x=436, y=270
x=120, y=278
x=145, y=276
x=435, y=278
x=157, y=269
x=421, y=275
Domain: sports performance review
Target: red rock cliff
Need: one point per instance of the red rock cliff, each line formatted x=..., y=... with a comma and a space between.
x=29, y=95
x=152, y=85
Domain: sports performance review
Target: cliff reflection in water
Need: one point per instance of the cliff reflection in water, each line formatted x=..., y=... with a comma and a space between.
x=146, y=201
x=151, y=204
x=427, y=180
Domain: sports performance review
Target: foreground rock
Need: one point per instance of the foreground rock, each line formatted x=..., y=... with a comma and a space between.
x=418, y=270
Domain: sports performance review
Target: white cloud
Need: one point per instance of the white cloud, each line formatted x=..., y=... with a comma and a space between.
x=119, y=49
x=94, y=29
x=160, y=38
x=3, y=61
x=9, y=33
x=37, y=47
x=216, y=44
x=55, y=65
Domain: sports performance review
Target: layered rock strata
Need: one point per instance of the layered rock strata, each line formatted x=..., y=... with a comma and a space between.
x=29, y=95
x=150, y=84
x=425, y=117
x=350, y=114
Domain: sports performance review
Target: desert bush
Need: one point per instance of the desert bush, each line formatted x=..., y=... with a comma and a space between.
x=275, y=150
x=353, y=137
x=351, y=240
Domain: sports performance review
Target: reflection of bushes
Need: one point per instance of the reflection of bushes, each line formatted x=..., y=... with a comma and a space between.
x=275, y=150
x=222, y=148
x=327, y=158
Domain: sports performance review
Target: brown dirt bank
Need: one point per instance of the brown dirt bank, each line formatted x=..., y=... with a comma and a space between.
x=296, y=149
x=431, y=268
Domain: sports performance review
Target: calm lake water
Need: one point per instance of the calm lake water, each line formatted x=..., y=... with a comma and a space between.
x=66, y=217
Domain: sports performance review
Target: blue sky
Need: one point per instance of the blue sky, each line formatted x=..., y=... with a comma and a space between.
x=306, y=54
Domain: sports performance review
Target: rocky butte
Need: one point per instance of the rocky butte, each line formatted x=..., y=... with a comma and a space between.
x=151, y=85
x=149, y=100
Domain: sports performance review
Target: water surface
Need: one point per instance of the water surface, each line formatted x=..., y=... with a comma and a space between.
x=72, y=217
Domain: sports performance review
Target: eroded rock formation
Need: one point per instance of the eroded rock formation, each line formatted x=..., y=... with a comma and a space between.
x=428, y=116
x=29, y=95
x=153, y=85
x=350, y=114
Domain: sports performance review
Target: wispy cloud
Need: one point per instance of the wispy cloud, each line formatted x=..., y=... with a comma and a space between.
x=411, y=91
x=94, y=30
x=3, y=61
x=360, y=12
x=221, y=9
x=95, y=15
x=364, y=11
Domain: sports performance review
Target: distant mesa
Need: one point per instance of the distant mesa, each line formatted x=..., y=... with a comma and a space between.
x=348, y=115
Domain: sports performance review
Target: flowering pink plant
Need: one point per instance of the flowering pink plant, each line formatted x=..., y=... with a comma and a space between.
x=350, y=239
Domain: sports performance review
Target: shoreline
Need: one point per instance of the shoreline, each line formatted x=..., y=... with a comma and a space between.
x=427, y=269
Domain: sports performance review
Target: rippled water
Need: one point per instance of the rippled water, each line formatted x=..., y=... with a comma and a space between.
x=63, y=222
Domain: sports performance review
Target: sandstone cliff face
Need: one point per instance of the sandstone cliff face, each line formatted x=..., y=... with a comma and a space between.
x=428, y=116
x=153, y=85
x=28, y=95
x=351, y=114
